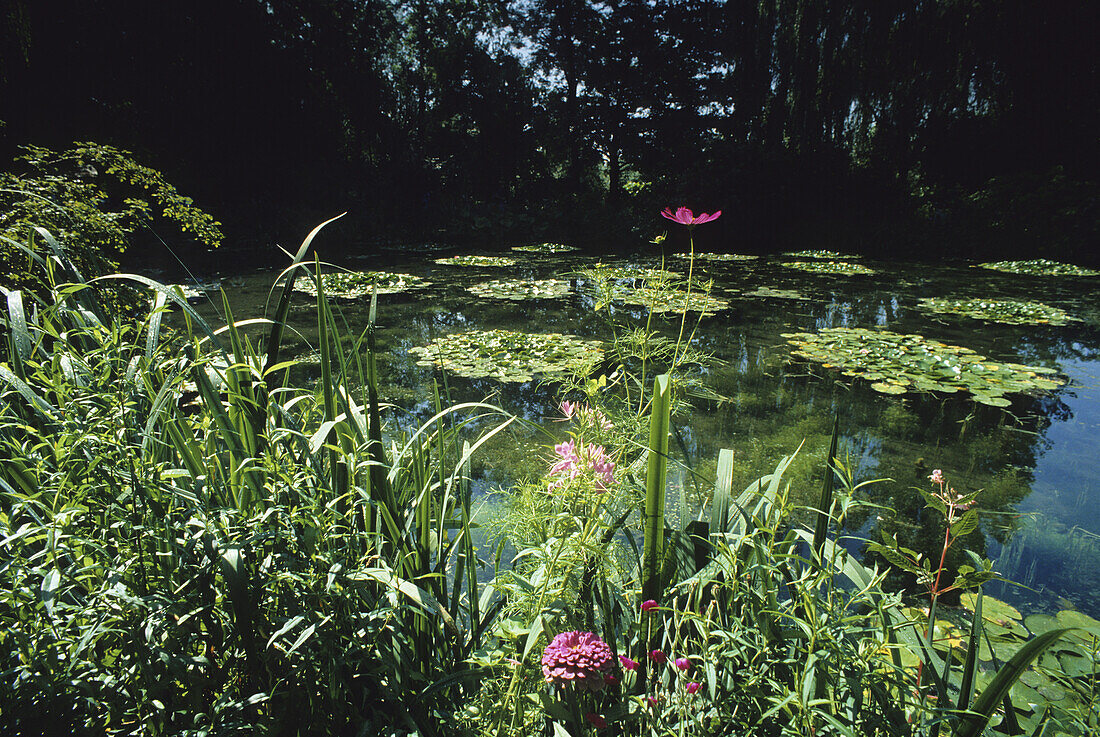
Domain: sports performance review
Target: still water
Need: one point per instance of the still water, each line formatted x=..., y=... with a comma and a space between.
x=1036, y=462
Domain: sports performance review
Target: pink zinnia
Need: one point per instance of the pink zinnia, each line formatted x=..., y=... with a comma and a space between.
x=580, y=658
x=649, y=605
x=683, y=663
x=693, y=687
x=684, y=216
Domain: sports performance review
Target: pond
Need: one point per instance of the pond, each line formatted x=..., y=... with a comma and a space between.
x=1002, y=391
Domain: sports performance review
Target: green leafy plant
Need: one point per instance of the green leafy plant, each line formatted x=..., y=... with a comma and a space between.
x=358, y=284
x=842, y=268
x=519, y=290
x=476, y=261
x=510, y=356
x=1009, y=311
x=1039, y=267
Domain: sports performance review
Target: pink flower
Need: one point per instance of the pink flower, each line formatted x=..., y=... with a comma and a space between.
x=610, y=680
x=658, y=657
x=596, y=720
x=693, y=687
x=649, y=605
x=568, y=408
x=580, y=658
x=683, y=663
x=652, y=700
x=684, y=216
x=936, y=477
x=628, y=664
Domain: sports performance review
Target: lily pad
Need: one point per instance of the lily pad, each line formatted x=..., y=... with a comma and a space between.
x=545, y=248
x=519, y=290
x=718, y=256
x=914, y=363
x=631, y=275
x=772, y=292
x=510, y=356
x=355, y=284
x=476, y=261
x=1039, y=267
x=829, y=267
x=821, y=254
x=1009, y=311
x=665, y=300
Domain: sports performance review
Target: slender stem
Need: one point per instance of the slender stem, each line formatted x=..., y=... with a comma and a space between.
x=687, y=297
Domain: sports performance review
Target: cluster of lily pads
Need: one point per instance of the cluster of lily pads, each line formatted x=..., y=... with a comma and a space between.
x=476, y=261
x=545, y=248
x=634, y=275
x=829, y=267
x=510, y=356
x=356, y=284
x=1010, y=311
x=821, y=254
x=898, y=363
x=519, y=289
x=668, y=300
x=1039, y=267
x=1058, y=681
x=773, y=292
x=719, y=256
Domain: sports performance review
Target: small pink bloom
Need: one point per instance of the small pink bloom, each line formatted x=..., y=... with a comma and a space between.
x=936, y=477
x=568, y=408
x=649, y=605
x=658, y=657
x=628, y=664
x=684, y=216
x=652, y=700
x=683, y=663
x=693, y=687
x=596, y=720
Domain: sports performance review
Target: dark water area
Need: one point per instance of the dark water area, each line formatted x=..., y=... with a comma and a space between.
x=1035, y=461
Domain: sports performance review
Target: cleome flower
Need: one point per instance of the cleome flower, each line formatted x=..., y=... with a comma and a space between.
x=578, y=658
x=574, y=458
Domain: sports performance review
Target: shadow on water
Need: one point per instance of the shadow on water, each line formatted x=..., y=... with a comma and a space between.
x=1034, y=460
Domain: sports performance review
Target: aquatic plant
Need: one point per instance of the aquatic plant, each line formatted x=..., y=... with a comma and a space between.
x=829, y=267
x=775, y=293
x=897, y=363
x=718, y=256
x=476, y=261
x=508, y=355
x=821, y=254
x=545, y=248
x=357, y=284
x=1039, y=267
x=630, y=275
x=1009, y=311
x=519, y=290
x=667, y=300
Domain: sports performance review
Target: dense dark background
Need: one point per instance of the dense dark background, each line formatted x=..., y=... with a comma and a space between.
x=882, y=126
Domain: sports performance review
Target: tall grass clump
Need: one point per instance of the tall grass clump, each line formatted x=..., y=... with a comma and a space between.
x=192, y=546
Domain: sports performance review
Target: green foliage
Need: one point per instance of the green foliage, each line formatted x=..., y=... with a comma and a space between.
x=898, y=363
x=359, y=284
x=510, y=356
x=820, y=254
x=545, y=248
x=1039, y=267
x=1009, y=311
x=518, y=291
x=829, y=267
x=91, y=197
x=480, y=261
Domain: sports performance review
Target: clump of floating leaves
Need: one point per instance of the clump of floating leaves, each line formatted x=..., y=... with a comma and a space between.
x=476, y=261
x=719, y=256
x=355, y=284
x=772, y=292
x=897, y=363
x=519, y=289
x=827, y=255
x=545, y=248
x=828, y=267
x=510, y=356
x=628, y=275
x=662, y=300
x=1010, y=311
x=1039, y=267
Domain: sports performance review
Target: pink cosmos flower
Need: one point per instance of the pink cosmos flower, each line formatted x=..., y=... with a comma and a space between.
x=658, y=657
x=596, y=720
x=684, y=216
x=580, y=658
x=683, y=663
x=649, y=605
x=693, y=687
x=628, y=664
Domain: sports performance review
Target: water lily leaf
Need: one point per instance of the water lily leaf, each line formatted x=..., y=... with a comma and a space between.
x=820, y=254
x=829, y=267
x=1071, y=618
x=545, y=248
x=1039, y=267
x=718, y=256
x=519, y=290
x=356, y=284
x=1009, y=311
x=879, y=386
x=476, y=261
x=510, y=356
